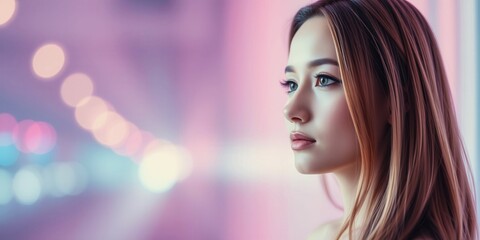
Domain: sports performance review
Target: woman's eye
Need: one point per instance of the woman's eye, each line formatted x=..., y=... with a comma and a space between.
x=290, y=85
x=324, y=80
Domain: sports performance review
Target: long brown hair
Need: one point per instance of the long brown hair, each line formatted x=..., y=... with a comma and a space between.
x=415, y=178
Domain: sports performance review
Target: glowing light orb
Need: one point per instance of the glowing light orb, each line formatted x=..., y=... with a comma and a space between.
x=132, y=143
x=34, y=137
x=88, y=111
x=8, y=155
x=67, y=178
x=48, y=61
x=160, y=169
x=19, y=135
x=6, y=193
x=7, y=124
x=75, y=88
x=185, y=162
x=154, y=145
x=147, y=139
x=110, y=129
x=27, y=187
x=40, y=138
x=7, y=10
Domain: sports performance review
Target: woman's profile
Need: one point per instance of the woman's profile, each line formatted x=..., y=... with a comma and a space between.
x=369, y=101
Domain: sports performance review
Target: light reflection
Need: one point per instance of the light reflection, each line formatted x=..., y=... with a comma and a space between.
x=67, y=178
x=7, y=10
x=161, y=168
x=88, y=111
x=185, y=162
x=110, y=129
x=107, y=169
x=132, y=144
x=48, y=61
x=27, y=185
x=6, y=193
x=40, y=138
x=153, y=145
x=75, y=88
x=34, y=137
x=8, y=155
x=147, y=140
x=7, y=124
x=19, y=135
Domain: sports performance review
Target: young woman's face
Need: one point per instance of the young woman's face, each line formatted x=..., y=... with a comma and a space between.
x=323, y=135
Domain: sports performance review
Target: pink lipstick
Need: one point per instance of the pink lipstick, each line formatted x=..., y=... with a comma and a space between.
x=301, y=141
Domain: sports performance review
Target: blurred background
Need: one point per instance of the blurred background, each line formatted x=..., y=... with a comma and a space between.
x=162, y=119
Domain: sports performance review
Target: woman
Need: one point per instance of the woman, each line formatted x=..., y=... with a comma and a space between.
x=369, y=100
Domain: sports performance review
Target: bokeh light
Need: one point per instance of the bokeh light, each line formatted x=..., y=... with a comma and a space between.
x=88, y=111
x=7, y=124
x=6, y=193
x=19, y=135
x=66, y=178
x=7, y=10
x=8, y=151
x=34, y=137
x=132, y=143
x=147, y=140
x=107, y=169
x=41, y=159
x=8, y=155
x=161, y=168
x=154, y=145
x=27, y=185
x=40, y=138
x=185, y=162
x=48, y=61
x=75, y=88
x=110, y=129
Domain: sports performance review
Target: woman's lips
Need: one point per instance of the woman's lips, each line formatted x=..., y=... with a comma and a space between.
x=301, y=141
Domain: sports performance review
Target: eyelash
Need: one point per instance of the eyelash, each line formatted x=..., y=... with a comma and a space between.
x=287, y=83
x=320, y=75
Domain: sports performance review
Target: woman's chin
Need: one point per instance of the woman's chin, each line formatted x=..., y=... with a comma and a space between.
x=310, y=166
x=305, y=167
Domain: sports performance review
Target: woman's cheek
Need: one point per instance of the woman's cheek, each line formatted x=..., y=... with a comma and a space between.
x=339, y=132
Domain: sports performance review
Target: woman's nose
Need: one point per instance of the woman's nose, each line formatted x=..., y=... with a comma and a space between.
x=296, y=110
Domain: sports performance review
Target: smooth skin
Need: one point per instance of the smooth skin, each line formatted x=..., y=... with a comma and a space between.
x=317, y=107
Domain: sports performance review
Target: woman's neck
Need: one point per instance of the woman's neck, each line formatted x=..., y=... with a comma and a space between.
x=348, y=178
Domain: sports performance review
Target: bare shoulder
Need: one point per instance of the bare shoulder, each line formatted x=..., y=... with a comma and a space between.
x=327, y=230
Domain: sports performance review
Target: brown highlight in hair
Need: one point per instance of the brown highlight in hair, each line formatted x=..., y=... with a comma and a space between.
x=415, y=179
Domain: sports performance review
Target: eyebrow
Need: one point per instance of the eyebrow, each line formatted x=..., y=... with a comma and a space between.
x=314, y=63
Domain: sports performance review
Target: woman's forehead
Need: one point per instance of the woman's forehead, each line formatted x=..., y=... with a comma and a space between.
x=312, y=41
